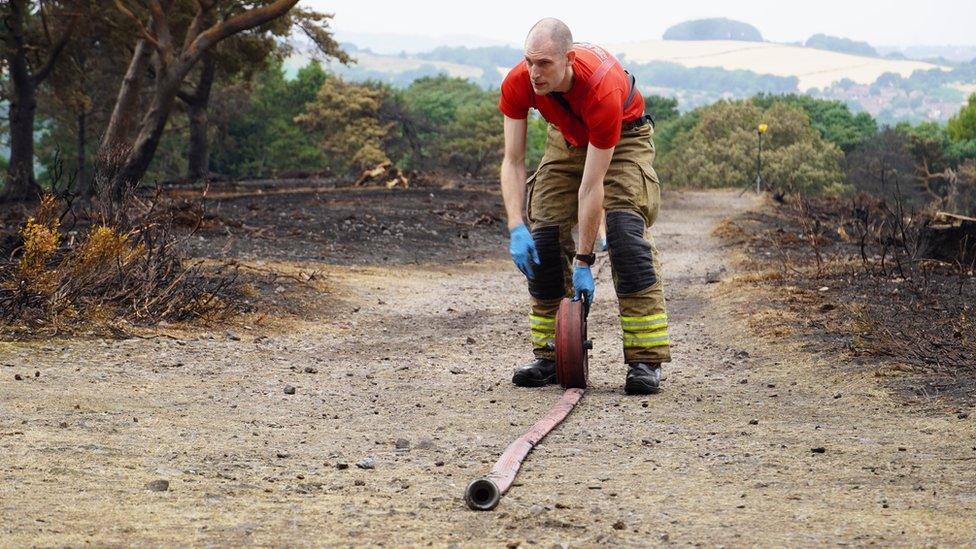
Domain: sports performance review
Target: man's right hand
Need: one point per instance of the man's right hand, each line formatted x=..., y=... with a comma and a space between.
x=523, y=251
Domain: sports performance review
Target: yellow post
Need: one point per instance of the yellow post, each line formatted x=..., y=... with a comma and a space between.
x=760, y=130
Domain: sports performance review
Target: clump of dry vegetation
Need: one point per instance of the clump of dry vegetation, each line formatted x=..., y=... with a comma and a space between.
x=92, y=273
x=862, y=279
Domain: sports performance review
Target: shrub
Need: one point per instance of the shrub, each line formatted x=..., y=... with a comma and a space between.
x=136, y=274
x=720, y=151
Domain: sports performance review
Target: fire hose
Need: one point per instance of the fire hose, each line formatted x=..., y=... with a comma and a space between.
x=572, y=368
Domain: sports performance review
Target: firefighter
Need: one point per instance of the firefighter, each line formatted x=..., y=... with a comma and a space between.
x=598, y=157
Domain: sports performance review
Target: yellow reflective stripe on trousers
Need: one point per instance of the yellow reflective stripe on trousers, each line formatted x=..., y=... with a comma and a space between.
x=543, y=330
x=536, y=320
x=540, y=340
x=647, y=339
x=643, y=323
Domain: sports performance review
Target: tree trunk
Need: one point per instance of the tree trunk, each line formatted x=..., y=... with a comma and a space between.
x=198, y=148
x=150, y=132
x=197, y=151
x=114, y=146
x=21, y=184
x=82, y=186
x=950, y=238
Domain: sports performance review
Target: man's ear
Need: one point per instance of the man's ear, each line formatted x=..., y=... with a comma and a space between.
x=571, y=56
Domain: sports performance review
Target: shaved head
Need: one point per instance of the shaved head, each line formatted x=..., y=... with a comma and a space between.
x=549, y=56
x=550, y=34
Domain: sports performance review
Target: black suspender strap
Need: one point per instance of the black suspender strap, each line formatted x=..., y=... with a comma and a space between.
x=630, y=98
x=558, y=96
x=633, y=90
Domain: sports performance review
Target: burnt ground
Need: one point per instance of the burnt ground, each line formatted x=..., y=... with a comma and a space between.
x=398, y=335
x=868, y=302
x=368, y=226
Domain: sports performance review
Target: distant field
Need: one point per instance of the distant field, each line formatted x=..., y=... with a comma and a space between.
x=964, y=88
x=395, y=64
x=389, y=64
x=815, y=68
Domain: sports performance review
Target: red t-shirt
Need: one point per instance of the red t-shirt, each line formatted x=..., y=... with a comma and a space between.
x=599, y=105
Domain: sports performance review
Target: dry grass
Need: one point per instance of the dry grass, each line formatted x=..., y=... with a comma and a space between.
x=99, y=275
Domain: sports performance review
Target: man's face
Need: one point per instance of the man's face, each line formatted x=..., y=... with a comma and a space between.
x=547, y=65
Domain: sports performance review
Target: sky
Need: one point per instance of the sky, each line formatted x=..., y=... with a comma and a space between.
x=893, y=23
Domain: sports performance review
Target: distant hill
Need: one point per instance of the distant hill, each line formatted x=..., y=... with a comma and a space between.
x=956, y=54
x=842, y=45
x=402, y=69
x=493, y=60
x=488, y=55
x=713, y=29
x=392, y=44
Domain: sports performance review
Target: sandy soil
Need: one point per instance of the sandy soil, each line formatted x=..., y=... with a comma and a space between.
x=401, y=362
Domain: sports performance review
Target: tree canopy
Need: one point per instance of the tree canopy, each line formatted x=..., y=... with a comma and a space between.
x=842, y=45
x=833, y=119
x=962, y=126
x=720, y=150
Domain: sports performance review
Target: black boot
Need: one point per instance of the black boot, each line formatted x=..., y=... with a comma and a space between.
x=537, y=373
x=644, y=378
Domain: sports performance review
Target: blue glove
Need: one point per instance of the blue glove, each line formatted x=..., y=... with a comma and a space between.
x=523, y=251
x=583, y=284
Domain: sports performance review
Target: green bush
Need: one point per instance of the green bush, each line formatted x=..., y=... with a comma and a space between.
x=661, y=108
x=962, y=126
x=264, y=140
x=437, y=124
x=833, y=119
x=535, y=145
x=347, y=117
x=456, y=126
x=665, y=133
x=720, y=150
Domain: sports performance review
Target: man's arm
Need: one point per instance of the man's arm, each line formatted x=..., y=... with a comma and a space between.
x=513, y=171
x=591, y=196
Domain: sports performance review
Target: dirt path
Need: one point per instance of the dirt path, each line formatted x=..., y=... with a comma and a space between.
x=422, y=354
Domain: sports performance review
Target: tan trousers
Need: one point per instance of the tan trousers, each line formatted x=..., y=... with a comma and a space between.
x=632, y=198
